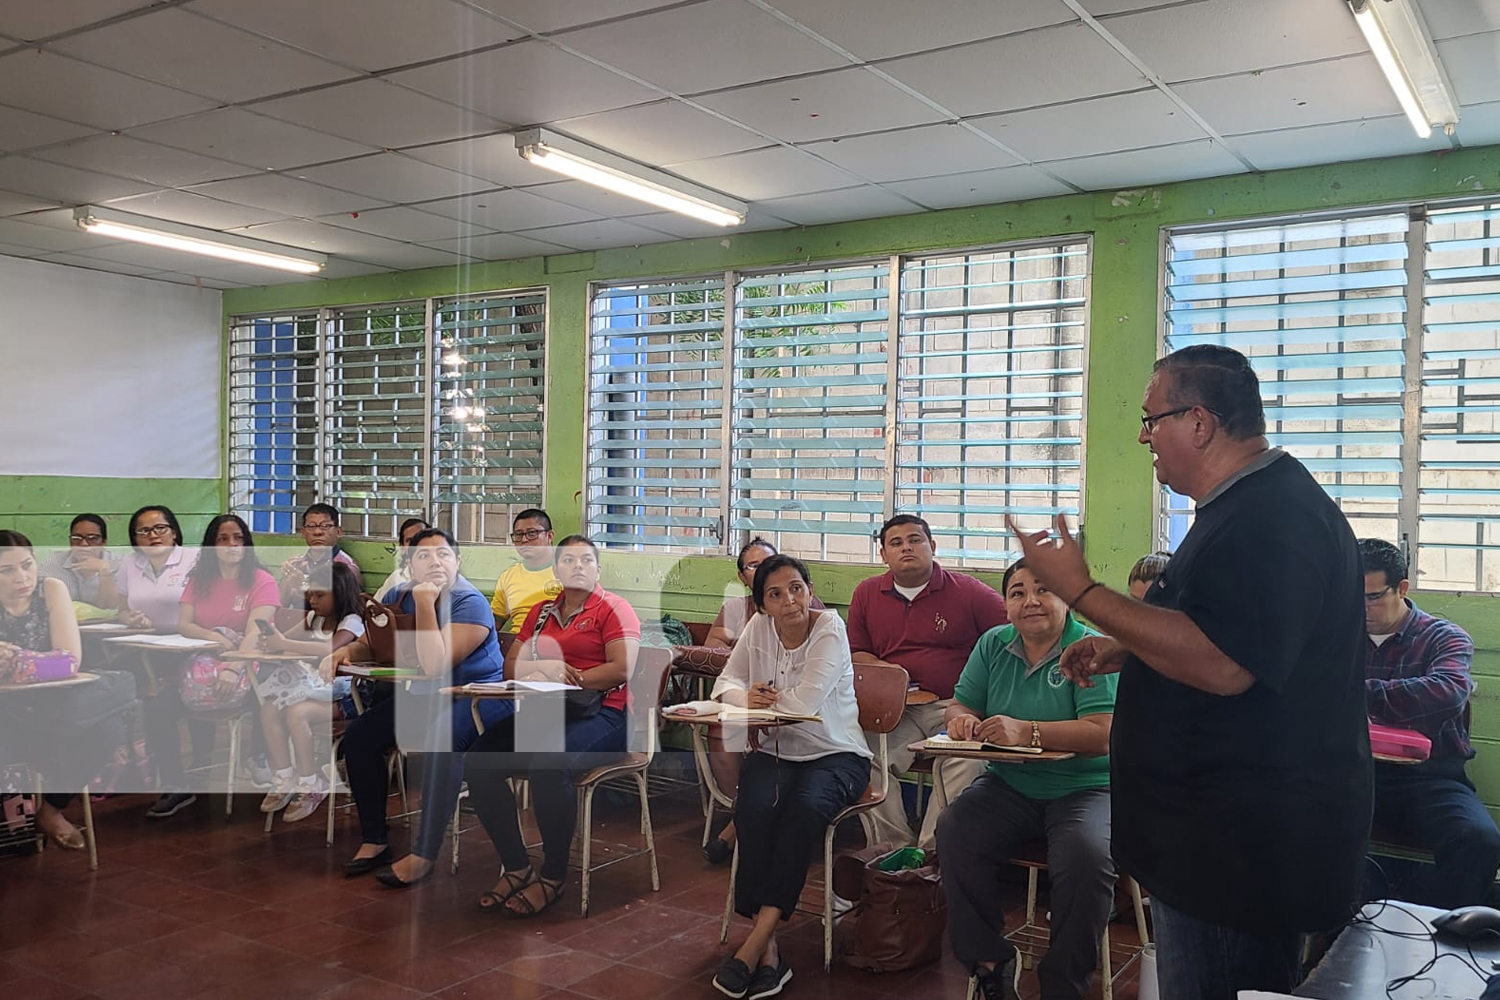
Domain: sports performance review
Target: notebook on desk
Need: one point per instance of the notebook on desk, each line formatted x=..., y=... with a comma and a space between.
x=941, y=741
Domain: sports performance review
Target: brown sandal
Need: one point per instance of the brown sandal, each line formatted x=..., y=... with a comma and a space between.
x=492, y=901
x=551, y=893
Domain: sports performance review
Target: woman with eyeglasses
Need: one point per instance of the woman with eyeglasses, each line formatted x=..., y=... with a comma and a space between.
x=151, y=579
x=402, y=573
x=86, y=567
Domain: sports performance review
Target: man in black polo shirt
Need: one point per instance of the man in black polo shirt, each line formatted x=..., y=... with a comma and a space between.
x=1240, y=754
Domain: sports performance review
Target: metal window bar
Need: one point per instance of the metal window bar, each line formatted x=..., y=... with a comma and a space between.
x=1320, y=309
x=488, y=399
x=656, y=407
x=990, y=397
x=274, y=455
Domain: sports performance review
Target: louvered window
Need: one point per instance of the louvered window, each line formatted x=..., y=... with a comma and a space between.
x=656, y=397
x=489, y=376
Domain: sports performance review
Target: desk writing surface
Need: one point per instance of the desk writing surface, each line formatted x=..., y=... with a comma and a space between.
x=997, y=756
x=76, y=679
x=1368, y=955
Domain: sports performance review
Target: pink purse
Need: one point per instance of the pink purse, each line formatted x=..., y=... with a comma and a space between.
x=200, y=680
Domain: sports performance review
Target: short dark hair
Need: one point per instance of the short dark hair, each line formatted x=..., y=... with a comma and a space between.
x=407, y=524
x=763, y=573
x=1147, y=568
x=167, y=515
x=533, y=514
x=13, y=539
x=427, y=533
x=1380, y=556
x=1220, y=380
x=206, y=570
x=326, y=509
x=1011, y=571
x=901, y=519
x=574, y=540
x=755, y=543
x=339, y=579
x=94, y=519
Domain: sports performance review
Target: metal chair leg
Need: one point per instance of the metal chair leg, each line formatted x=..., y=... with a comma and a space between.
x=234, y=762
x=1107, y=983
x=88, y=831
x=734, y=869
x=828, y=899
x=587, y=794
x=1140, y=910
x=640, y=781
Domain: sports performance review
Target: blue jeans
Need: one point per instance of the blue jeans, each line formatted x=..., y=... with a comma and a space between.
x=1198, y=960
x=1433, y=806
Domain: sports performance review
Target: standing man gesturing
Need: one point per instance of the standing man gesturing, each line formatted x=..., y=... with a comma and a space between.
x=1240, y=754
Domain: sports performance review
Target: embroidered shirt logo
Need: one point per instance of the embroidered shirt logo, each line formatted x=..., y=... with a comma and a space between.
x=1055, y=678
x=583, y=624
x=939, y=623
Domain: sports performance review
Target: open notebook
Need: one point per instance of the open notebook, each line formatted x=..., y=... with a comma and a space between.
x=941, y=741
x=732, y=713
x=513, y=687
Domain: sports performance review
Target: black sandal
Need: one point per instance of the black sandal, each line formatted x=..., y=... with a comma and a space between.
x=551, y=893
x=492, y=901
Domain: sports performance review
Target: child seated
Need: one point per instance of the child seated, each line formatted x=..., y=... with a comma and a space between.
x=295, y=697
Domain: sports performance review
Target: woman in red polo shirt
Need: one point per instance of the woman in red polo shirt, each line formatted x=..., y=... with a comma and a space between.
x=585, y=636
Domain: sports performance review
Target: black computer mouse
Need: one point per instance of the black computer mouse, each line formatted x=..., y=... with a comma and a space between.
x=1467, y=922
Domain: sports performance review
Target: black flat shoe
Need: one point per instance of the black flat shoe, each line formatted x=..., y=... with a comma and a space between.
x=387, y=877
x=716, y=852
x=355, y=867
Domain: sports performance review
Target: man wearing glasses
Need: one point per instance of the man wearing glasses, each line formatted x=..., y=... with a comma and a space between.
x=529, y=582
x=321, y=532
x=1240, y=753
x=1418, y=678
x=86, y=566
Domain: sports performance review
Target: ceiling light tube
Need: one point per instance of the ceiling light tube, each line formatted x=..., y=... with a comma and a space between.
x=633, y=180
x=192, y=239
x=1402, y=45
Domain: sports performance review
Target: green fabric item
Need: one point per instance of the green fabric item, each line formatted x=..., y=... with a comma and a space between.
x=89, y=613
x=665, y=633
x=995, y=682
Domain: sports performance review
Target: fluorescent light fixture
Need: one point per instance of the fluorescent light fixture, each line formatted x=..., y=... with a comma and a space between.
x=1402, y=45
x=207, y=242
x=615, y=173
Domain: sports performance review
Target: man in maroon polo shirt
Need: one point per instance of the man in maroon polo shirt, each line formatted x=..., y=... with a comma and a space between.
x=926, y=619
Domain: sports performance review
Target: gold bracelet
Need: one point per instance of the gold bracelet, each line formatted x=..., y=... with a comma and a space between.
x=1036, y=734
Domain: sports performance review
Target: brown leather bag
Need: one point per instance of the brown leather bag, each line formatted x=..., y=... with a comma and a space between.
x=384, y=628
x=899, y=921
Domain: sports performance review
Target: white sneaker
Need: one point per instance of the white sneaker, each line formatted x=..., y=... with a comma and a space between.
x=279, y=795
x=304, y=802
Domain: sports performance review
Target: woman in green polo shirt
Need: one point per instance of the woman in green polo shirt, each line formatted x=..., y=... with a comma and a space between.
x=1011, y=693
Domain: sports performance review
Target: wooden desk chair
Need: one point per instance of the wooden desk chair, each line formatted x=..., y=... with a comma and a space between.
x=880, y=690
x=1033, y=938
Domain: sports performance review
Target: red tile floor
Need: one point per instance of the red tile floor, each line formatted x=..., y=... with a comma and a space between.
x=194, y=907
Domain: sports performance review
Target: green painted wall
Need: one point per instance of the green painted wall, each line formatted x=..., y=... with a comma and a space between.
x=40, y=507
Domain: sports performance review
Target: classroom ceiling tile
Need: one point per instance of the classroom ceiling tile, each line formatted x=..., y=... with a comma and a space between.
x=885, y=28
x=160, y=166
x=405, y=257
x=599, y=235
x=844, y=102
x=1449, y=20
x=194, y=54
x=983, y=187
x=1019, y=71
x=391, y=177
x=194, y=210
x=1480, y=125
x=1473, y=64
x=220, y=284
x=1338, y=90
x=664, y=132
x=407, y=225
x=1104, y=125
x=343, y=267
x=1355, y=140
x=773, y=172
x=1204, y=158
x=867, y=202
x=51, y=84
x=685, y=227
x=34, y=21
x=63, y=184
x=287, y=195
x=498, y=246
x=369, y=34
x=154, y=258
x=25, y=130
x=913, y=152
x=548, y=15
x=244, y=137
x=763, y=48
x=377, y=114
x=1106, y=8
x=13, y=203
x=320, y=238
x=490, y=158
x=527, y=83
x=507, y=210
x=1178, y=43
x=45, y=232
x=99, y=264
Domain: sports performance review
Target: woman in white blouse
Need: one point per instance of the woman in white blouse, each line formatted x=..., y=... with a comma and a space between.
x=791, y=658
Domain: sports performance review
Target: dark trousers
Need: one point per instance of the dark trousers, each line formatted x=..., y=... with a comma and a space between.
x=366, y=741
x=781, y=815
x=1198, y=960
x=1433, y=806
x=980, y=832
x=163, y=713
x=493, y=759
x=443, y=768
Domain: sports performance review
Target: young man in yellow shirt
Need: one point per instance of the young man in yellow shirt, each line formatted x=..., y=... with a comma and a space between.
x=530, y=581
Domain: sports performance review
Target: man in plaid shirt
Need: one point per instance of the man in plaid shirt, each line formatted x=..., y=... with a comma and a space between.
x=1417, y=677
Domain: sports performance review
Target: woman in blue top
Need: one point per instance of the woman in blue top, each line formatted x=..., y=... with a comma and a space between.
x=454, y=644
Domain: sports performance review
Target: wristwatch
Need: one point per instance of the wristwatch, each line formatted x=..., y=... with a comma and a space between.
x=1036, y=734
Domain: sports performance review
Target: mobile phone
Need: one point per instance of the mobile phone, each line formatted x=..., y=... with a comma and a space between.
x=266, y=628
